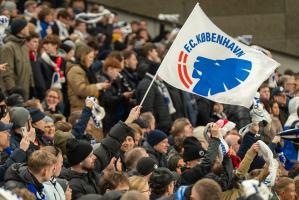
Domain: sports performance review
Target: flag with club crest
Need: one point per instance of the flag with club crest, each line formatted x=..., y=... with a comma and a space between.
x=206, y=61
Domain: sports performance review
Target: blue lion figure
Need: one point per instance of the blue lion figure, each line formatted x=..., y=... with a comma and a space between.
x=217, y=76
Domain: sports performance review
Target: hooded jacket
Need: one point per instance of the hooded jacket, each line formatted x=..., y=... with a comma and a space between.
x=86, y=183
x=18, y=176
x=19, y=72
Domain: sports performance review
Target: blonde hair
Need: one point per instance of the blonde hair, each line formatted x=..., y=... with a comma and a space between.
x=39, y=160
x=138, y=183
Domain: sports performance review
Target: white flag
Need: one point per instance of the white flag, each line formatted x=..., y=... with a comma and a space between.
x=206, y=61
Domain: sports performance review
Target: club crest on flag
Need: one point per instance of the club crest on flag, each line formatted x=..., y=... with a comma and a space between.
x=204, y=60
x=223, y=74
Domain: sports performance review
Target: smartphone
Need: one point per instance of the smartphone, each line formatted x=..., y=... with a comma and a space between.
x=24, y=131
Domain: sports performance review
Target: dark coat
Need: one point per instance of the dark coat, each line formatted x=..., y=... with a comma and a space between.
x=17, y=156
x=82, y=184
x=238, y=114
x=18, y=176
x=18, y=73
x=15, y=140
x=158, y=157
x=178, y=101
x=115, y=104
x=190, y=176
x=131, y=76
x=154, y=102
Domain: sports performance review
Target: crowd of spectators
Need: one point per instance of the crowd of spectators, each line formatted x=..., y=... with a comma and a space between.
x=72, y=77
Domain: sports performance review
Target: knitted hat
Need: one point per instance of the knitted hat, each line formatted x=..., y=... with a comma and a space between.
x=19, y=117
x=162, y=177
x=17, y=26
x=155, y=137
x=146, y=165
x=15, y=100
x=77, y=151
x=225, y=125
x=36, y=114
x=192, y=149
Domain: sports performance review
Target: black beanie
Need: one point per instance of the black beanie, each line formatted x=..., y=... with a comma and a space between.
x=17, y=26
x=192, y=149
x=146, y=165
x=77, y=151
x=66, y=48
x=155, y=137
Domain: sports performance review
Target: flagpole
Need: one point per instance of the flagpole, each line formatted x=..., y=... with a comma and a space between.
x=148, y=89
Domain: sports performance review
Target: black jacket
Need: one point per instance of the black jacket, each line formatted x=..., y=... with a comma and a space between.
x=17, y=156
x=81, y=183
x=154, y=102
x=158, y=157
x=238, y=114
x=190, y=176
x=18, y=176
x=115, y=104
x=86, y=183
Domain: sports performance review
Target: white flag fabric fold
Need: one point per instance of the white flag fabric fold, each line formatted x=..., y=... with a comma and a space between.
x=206, y=61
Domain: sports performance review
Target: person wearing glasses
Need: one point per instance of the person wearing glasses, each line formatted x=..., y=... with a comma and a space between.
x=53, y=101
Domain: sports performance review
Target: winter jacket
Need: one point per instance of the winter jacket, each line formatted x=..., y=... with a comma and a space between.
x=144, y=65
x=17, y=156
x=19, y=72
x=204, y=107
x=158, y=157
x=79, y=128
x=271, y=130
x=18, y=176
x=40, y=87
x=79, y=87
x=154, y=102
x=241, y=173
x=248, y=140
x=178, y=102
x=223, y=178
x=117, y=107
x=131, y=76
x=190, y=176
x=86, y=183
x=238, y=114
x=53, y=190
x=15, y=140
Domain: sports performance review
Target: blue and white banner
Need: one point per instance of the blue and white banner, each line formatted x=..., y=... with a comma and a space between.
x=206, y=61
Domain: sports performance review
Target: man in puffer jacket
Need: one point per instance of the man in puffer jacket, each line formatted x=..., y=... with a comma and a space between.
x=82, y=175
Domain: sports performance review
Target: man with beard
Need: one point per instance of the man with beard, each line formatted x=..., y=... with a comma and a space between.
x=83, y=175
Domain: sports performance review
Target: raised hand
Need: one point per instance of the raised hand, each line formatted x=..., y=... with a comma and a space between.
x=134, y=114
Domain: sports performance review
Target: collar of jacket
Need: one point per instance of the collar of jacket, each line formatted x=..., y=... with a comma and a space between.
x=13, y=38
